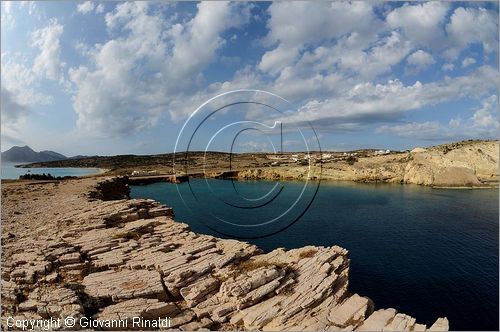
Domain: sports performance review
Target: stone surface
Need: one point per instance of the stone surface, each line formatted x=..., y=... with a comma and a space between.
x=127, y=257
x=441, y=324
x=351, y=312
x=139, y=307
x=378, y=320
x=124, y=284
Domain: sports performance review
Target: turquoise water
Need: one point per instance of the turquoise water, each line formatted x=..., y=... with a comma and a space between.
x=424, y=251
x=11, y=172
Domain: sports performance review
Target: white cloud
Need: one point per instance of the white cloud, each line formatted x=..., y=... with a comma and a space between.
x=7, y=20
x=414, y=130
x=12, y=109
x=99, y=9
x=420, y=60
x=47, y=63
x=455, y=123
x=150, y=69
x=19, y=90
x=421, y=23
x=472, y=25
x=85, y=7
x=88, y=7
x=19, y=94
x=311, y=25
x=367, y=102
x=483, y=123
x=196, y=42
x=327, y=71
x=379, y=59
x=468, y=61
x=329, y=58
x=483, y=117
x=448, y=67
x=255, y=146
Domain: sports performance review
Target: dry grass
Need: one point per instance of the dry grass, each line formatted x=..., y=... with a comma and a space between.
x=128, y=235
x=308, y=253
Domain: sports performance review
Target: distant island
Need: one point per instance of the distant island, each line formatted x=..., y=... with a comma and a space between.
x=25, y=154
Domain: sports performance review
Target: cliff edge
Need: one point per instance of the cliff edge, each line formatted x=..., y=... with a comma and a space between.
x=70, y=253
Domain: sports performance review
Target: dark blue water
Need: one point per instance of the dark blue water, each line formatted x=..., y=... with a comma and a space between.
x=426, y=252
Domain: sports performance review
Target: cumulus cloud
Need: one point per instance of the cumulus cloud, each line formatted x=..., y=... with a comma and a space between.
x=448, y=67
x=88, y=7
x=420, y=60
x=483, y=123
x=468, y=61
x=420, y=130
x=472, y=25
x=19, y=90
x=85, y=7
x=384, y=102
x=19, y=94
x=335, y=61
x=48, y=63
x=139, y=76
x=484, y=116
x=311, y=25
x=421, y=23
x=12, y=110
x=7, y=15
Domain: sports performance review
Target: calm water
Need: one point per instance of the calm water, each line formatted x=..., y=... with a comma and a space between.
x=11, y=172
x=426, y=252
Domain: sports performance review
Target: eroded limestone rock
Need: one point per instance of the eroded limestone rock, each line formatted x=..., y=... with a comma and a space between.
x=122, y=258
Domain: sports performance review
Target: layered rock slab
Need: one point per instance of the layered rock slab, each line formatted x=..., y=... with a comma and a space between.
x=121, y=258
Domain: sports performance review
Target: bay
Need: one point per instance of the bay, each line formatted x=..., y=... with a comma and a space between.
x=9, y=171
x=426, y=252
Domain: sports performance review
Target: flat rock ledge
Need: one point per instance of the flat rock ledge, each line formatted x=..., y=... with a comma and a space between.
x=117, y=259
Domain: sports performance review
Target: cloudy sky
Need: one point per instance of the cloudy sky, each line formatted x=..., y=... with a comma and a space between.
x=120, y=78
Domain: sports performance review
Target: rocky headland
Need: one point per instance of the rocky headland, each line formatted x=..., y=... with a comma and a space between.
x=81, y=248
x=468, y=164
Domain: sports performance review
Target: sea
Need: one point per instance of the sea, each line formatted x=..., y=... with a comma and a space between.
x=427, y=252
x=9, y=171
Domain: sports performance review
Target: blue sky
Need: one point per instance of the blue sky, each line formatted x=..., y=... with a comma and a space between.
x=121, y=78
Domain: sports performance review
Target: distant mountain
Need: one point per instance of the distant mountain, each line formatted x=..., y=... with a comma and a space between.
x=25, y=154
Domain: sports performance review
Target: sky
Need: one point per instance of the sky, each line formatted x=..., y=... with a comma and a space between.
x=104, y=78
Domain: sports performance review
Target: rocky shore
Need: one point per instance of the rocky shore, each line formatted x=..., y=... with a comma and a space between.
x=468, y=164
x=80, y=248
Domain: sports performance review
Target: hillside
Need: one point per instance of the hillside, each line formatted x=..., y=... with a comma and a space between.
x=472, y=163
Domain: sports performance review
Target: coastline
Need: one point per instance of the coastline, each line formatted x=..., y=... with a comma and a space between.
x=113, y=250
x=96, y=171
x=470, y=164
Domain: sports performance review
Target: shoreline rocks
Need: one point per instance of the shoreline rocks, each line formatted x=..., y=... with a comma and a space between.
x=112, y=259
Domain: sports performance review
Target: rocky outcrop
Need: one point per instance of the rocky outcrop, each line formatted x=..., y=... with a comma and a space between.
x=119, y=259
x=463, y=164
x=108, y=190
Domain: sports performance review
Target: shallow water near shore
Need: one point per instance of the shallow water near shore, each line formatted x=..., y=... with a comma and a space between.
x=426, y=252
x=9, y=171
